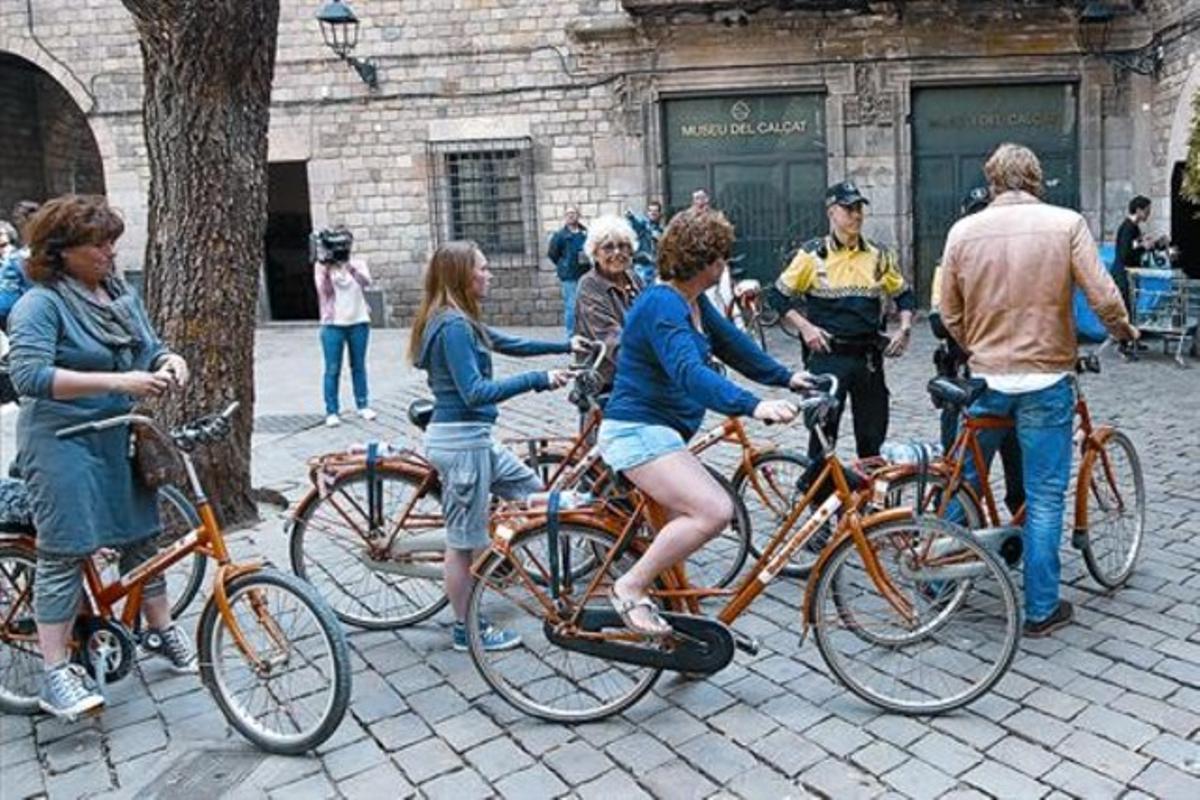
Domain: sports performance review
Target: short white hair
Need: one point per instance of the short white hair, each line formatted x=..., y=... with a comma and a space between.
x=607, y=227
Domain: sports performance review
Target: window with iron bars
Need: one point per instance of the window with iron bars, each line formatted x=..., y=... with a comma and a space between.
x=483, y=190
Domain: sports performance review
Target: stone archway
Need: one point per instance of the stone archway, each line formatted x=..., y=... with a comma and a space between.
x=47, y=146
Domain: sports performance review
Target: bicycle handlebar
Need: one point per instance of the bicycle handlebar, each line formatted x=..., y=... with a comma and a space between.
x=823, y=389
x=206, y=429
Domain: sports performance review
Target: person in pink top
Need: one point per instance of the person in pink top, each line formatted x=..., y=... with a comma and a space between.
x=345, y=318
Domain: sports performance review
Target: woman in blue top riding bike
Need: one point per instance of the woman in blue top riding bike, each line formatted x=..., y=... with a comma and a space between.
x=451, y=343
x=665, y=381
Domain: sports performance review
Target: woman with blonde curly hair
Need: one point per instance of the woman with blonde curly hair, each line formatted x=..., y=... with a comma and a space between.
x=665, y=381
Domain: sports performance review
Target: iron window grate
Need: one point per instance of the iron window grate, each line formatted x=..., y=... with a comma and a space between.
x=482, y=190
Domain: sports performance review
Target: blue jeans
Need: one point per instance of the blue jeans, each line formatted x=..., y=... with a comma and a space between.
x=569, y=290
x=335, y=339
x=1043, y=422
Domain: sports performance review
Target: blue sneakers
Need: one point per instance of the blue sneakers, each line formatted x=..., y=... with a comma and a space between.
x=493, y=638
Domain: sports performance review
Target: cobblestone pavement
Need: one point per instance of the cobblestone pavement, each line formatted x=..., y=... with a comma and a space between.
x=1109, y=707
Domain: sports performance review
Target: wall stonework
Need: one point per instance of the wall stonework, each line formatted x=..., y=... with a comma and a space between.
x=587, y=81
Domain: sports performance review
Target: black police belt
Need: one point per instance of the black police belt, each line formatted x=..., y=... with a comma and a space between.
x=869, y=345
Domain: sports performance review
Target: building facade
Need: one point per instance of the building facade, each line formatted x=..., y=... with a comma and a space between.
x=492, y=116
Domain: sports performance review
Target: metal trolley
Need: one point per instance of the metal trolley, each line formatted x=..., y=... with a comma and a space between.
x=1166, y=303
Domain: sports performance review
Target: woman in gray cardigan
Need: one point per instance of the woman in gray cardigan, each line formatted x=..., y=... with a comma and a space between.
x=83, y=350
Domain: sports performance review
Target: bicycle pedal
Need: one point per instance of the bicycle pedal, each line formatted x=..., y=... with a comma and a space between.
x=747, y=644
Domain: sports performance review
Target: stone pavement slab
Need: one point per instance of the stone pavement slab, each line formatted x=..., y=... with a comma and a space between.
x=1108, y=707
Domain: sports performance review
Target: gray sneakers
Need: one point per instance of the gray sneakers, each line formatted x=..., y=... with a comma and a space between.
x=172, y=645
x=67, y=692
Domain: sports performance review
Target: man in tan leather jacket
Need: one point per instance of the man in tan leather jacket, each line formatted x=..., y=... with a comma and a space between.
x=1007, y=278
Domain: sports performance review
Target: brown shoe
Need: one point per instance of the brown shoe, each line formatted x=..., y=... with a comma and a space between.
x=1059, y=619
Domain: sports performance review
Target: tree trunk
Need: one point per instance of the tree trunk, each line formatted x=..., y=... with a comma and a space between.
x=208, y=66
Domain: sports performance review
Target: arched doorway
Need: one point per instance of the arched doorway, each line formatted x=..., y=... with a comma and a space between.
x=46, y=144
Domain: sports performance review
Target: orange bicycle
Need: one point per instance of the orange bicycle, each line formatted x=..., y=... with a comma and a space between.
x=909, y=612
x=368, y=534
x=270, y=650
x=1110, y=491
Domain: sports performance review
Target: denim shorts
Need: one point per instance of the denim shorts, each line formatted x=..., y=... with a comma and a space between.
x=625, y=445
x=472, y=468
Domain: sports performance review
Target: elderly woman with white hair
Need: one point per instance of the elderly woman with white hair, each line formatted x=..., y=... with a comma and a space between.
x=607, y=290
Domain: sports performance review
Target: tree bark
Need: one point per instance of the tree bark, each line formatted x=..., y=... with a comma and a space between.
x=207, y=67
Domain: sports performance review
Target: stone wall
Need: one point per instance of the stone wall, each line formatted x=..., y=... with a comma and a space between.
x=585, y=85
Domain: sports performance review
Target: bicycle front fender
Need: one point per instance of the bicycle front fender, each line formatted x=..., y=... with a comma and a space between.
x=807, y=612
x=220, y=598
x=1092, y=447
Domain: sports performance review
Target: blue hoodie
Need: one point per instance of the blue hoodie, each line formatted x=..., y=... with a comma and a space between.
x=459, y=367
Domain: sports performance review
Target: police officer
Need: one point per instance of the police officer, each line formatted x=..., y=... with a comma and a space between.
x=833, y=293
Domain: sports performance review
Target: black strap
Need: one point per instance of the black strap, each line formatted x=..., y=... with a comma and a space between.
x=374, y=488
x=552, y=505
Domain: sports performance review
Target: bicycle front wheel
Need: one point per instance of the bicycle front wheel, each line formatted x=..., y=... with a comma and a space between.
x=290, y=693
x=21, y=666
x=538, y=677
x=945, y=641
x=329, y=549
x=178, y=518
x=1116, y=512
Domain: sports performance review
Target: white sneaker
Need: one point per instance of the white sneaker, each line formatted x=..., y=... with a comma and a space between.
x=367, y=413
x=332, y=421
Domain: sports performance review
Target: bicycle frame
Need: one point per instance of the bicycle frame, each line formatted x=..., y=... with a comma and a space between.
x=208, y=539
x=966, y=445
x=678, y=592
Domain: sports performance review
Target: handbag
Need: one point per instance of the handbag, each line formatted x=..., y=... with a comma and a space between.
x=8, y=392
x=155, y=462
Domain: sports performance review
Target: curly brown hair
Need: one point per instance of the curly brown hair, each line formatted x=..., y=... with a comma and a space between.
x=694, y=239
x=64, y=222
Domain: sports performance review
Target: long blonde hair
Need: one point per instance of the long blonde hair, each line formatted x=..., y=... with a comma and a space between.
x=449, y=278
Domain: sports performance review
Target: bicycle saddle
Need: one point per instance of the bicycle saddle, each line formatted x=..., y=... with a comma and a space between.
x=960, y=392
x=420, y=412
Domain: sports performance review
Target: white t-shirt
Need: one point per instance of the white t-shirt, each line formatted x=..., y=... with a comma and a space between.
x=1021, y=382
x=349, y=303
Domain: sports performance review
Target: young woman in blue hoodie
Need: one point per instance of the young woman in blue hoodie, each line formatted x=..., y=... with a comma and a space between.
x=451, y=343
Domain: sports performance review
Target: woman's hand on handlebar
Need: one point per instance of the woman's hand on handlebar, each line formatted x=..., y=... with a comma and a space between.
x=800, y=380
x=775, y=411
x=559, y=377
x=142, y=384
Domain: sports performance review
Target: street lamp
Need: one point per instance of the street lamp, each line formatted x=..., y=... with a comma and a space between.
x=339, y=29
x=1095, y=21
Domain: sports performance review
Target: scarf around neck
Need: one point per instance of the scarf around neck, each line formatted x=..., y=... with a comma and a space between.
x=114, y=324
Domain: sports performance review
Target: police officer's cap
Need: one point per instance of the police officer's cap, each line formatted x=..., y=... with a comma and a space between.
x=976, y=200
x=845, y=193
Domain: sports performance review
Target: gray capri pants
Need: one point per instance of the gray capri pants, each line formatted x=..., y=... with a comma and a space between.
x=472, y=468
x=58, y=581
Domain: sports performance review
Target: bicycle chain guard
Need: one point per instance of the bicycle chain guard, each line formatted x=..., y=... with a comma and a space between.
x=702, y=645
x=108, y=642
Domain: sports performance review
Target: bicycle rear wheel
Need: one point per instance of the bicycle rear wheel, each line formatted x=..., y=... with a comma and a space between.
x=903, y=492
x=21, y=666
x=539, y=677
x=958, y=639
x=295, y=696
x=329, y=549
x=1116, y=512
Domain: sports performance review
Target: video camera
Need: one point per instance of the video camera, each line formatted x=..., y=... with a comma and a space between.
x=331, y=244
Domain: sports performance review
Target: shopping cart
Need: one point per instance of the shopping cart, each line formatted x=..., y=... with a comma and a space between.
x=1166, y=303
